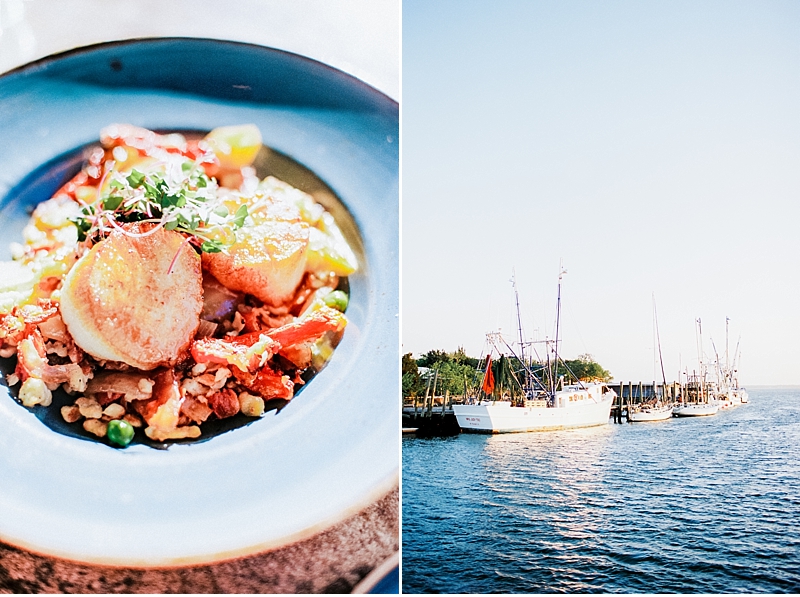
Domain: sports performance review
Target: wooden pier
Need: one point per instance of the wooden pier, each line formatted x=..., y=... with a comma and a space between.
x=431, y=416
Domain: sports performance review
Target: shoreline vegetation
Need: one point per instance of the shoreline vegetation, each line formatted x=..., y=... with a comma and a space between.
x=457, y=374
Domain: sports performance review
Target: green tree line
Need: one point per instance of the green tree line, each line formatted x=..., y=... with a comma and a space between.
x=458, y=374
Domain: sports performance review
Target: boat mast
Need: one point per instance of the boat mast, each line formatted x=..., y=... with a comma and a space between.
x=561, y=273
x=658, y=340
x=527, y=386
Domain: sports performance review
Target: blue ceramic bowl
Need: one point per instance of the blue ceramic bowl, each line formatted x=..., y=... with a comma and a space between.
x=328, y=453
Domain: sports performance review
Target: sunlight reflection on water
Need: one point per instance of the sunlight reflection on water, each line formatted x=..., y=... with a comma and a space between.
x=686, y=505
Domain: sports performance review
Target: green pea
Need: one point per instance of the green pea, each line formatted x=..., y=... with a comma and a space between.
x=120, y=432
x=337, y=300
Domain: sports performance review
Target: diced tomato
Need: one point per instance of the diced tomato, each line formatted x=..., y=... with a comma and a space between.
x=310, y=328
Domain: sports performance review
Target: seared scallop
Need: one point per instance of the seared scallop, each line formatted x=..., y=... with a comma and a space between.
x=135, y=298
x=267, y=260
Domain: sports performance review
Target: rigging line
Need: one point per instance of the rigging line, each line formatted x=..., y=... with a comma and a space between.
x=528, y=370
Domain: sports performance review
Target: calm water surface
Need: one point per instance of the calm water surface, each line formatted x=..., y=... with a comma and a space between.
x=695, y=505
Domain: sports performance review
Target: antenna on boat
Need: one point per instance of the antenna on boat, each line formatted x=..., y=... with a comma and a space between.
x=727, y=319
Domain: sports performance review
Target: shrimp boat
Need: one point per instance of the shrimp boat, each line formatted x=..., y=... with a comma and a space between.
x=730, y=393
x=701, y=394
x=544, y=406
x=700, y=400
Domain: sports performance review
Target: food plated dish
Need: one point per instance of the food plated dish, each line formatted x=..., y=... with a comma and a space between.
x=239, y=489
x=166, y=285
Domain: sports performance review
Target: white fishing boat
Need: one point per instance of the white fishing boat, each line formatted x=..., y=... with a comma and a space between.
x=649, y=412
x=696, y=409
x=577, y=405
x=547, y=404
x=700, y=397
x=729, y=392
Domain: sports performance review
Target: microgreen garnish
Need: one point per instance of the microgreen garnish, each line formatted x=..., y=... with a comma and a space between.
x=178, y=196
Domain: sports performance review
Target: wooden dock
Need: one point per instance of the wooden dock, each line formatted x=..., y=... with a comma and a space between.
x=631, y=394
x=431, y=417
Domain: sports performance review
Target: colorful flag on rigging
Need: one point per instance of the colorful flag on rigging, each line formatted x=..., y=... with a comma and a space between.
x=488, y=378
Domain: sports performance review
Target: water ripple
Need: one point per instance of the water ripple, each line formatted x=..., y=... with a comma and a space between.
x=685, y=506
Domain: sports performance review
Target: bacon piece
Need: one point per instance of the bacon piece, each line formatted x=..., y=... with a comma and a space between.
x=267, y=383
x=250, y=351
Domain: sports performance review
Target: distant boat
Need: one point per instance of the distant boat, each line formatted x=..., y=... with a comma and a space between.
x=544, y=406
x=649, y=412
x=700, y=399
x=656, y=410
x=696, y=409
x=729, y=392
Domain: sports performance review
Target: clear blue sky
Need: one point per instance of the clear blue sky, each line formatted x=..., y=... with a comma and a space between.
x=654, y=147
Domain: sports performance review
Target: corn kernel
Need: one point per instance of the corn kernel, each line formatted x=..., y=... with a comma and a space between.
x=34, y=391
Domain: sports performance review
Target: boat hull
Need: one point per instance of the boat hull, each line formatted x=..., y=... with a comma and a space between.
x=653, y=414
x=696, y=410
x=502, y=417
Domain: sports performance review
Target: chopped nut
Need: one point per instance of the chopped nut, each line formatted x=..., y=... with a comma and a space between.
x=78, y=380
x=199, y=368
x=206, y=379
x=114, y=411
x=71, y=413
x=193, y=387
x=95, y=426
x=146, y=385
x=12, y=379
x=89, y=408
x=220, y=377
